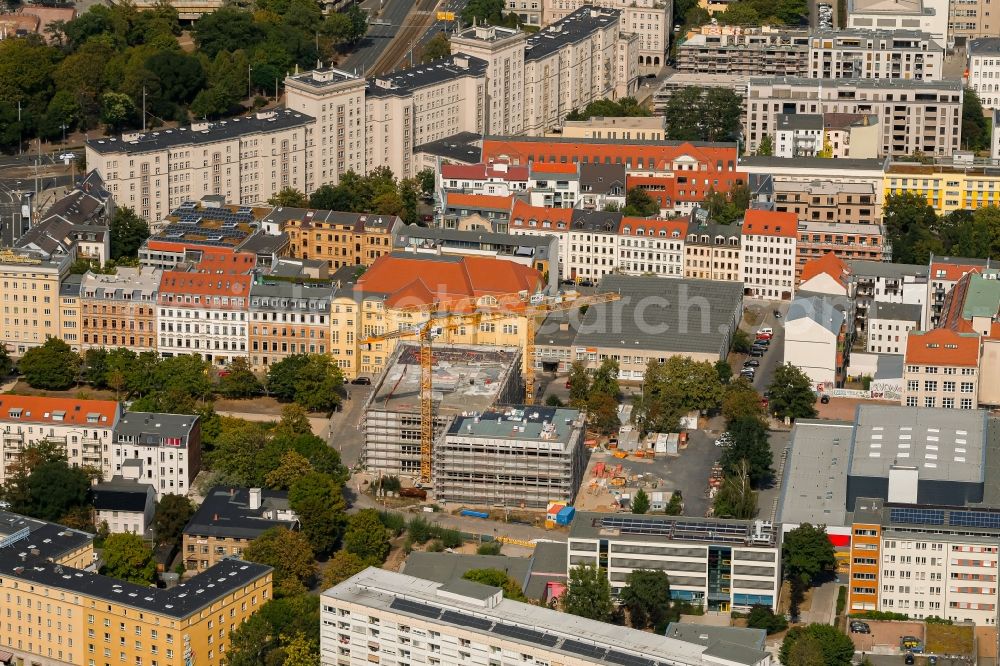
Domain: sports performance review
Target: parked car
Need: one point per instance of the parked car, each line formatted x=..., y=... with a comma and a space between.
x=752, y=363
x=749, y=373
x=860, y=628
x=757, y=352
x=762, y=342
x=777, y=314
x=766, y=330
x=362, y=381
x=725, y=439
x=908, y=659
x=824, y=399
x=67, y=156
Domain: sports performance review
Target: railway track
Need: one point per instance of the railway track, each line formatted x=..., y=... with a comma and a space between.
x=416, y=23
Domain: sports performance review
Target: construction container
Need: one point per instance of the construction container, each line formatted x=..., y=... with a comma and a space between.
x=565, y=517
x=672, y=440
x=549, y=524
x=553, y=510
x=599, y=469
x=683, y=440
x=473, y=514
x=620, y=454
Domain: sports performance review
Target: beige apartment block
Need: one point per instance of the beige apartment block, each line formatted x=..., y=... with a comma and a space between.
x=70, y=310
x=922, y=116
x=31, y=298
x=651, y=20
x=503, y=50
x=829, y=201
x=982, y=70
x=941, y=369
x=875, y=54
x=336, y=143
x=420, y=105
x=735, y=51
x=628, y=128
x=969, y=19
x=712, y=252
x=247, y=160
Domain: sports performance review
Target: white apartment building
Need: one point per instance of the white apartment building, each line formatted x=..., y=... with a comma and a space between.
x=767, y=254
x=814, y=327
x=124, y=506
x=933, y=560
x=982, y=70
x=914, y=116
x=651, y=247
x=503, y=51
x=163, y=450
x=496, y=179
x=941, y=369
x=929, y=16
x=875, y=54
x=721, y=565
x=400, y=619
x=247, y=160
x=889, y=326
x=798, y=135
x=82, y=428
x=651, y=21
x=204, y=313
x=553, y=185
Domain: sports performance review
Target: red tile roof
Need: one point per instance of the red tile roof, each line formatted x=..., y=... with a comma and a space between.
x=952, y=272
x=422, y=279
x=770, y=223
x=524, y=213
x=554, y=167
x=499, y=170
x=943, y=347
x=478, y=201
x=196, y=283
x=953, y=308
x=37, y=409
x=829, y=264
x=652, y=227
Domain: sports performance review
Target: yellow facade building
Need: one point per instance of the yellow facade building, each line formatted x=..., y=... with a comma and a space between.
x=53, y=612
x=383, y=299
x=946, y=187
x=29, y=289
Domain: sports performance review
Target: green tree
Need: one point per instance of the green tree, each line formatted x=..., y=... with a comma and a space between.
x=366, y=537
x=742, y=401
x=226, y=29
x=52, y=489
x=172, y=515
x=910, y=223
x=741, y=342
x=488, y=11
x=740, y=13
x=239, y=380
x=342, y=566
x=293, y=466
x=806, y=651
x=6, y=363
x=975, y=127
x=128, y=231
x=807, y=554
x=674, y=388
x=836, y=648
x=579, y=383
x=640, y=503
x=736, y=497
x=497, y=578
x=791, y=394
x=53, y=366
x=675, y=506
x=291, y=197
x=588, y=593
x=638, y=203
x=762, y=617
x=318, y=385
x=291, y=556
x=281, y=376
x=437, y=47
x=117, y=110
x=408, y=199
x=626, y=106
x=724, y=370
x=318, y=501
x=605, y=380
x=750, y=445
x=95, y=367
x=602, y=412
x=426, y=179
x=698, y=114
x=646, y=595
x=300, y=651
x=766, y=146
x=127, y=557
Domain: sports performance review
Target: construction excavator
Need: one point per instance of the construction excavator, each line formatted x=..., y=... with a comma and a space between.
x=448, y=315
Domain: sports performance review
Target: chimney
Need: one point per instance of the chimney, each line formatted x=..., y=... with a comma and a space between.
x=254, y=499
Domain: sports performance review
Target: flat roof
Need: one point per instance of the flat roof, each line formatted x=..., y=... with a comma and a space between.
x=897, y=311
x=466, y=378
x=443, y=567
x=575, y=27
x=200, y=133
x=520, y=423
x=945, y=444
x=820, y=164
x=653, y=313
x=706, y=634
x=513, y=621
x=630, y=527
x=882, y=269
x=20, y=535
x=800, y=121
x=152, y=427
x=464, y=148
x=405, y=81
x=901, y=84
x=814, y=483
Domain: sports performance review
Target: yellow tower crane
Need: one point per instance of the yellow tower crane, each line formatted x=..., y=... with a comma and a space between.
x=448, y=315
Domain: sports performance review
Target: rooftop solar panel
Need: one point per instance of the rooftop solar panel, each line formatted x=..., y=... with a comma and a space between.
x=615, y=657
x=415, y=608
x=585, y=649
x=974, y=519
x=463, y=620
x=527, y=635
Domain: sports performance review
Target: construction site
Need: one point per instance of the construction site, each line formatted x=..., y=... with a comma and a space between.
x=465, y=378
x=523, y=457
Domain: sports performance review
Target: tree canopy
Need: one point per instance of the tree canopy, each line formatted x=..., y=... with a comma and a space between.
x=647, y=598
x=703, y=114
x=366, y=537
x=128, y=231
x=52, y=366
x=836, y=648
x=588, y=593
x=673, y=388
x=609, y=108
x=291, y=555
x=497, y=578
x=749, y=443
x=437, y=47
x=172, y=514
x=791, y=393
x=127, y=557
x=975, y=127
x=807, y=553
x=312, y=380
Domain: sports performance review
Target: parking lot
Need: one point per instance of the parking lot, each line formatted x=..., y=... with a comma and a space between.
x=885, y=636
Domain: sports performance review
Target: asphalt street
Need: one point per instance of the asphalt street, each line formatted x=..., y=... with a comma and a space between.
x=386, y=19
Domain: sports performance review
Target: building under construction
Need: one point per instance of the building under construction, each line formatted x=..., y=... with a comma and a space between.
x=466, y=378
x=521, y=457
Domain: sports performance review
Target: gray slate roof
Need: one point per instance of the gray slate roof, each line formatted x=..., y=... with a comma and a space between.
x=820, y=310
x=222, y=515
x=897, y=311
x=659, y=314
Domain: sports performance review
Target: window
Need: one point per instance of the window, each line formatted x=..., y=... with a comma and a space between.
x=967, y=387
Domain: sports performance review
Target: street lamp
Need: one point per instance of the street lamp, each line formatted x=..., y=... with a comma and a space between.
x=64, y=126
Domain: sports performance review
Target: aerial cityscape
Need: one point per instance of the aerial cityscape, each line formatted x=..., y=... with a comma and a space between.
x=499, y=332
